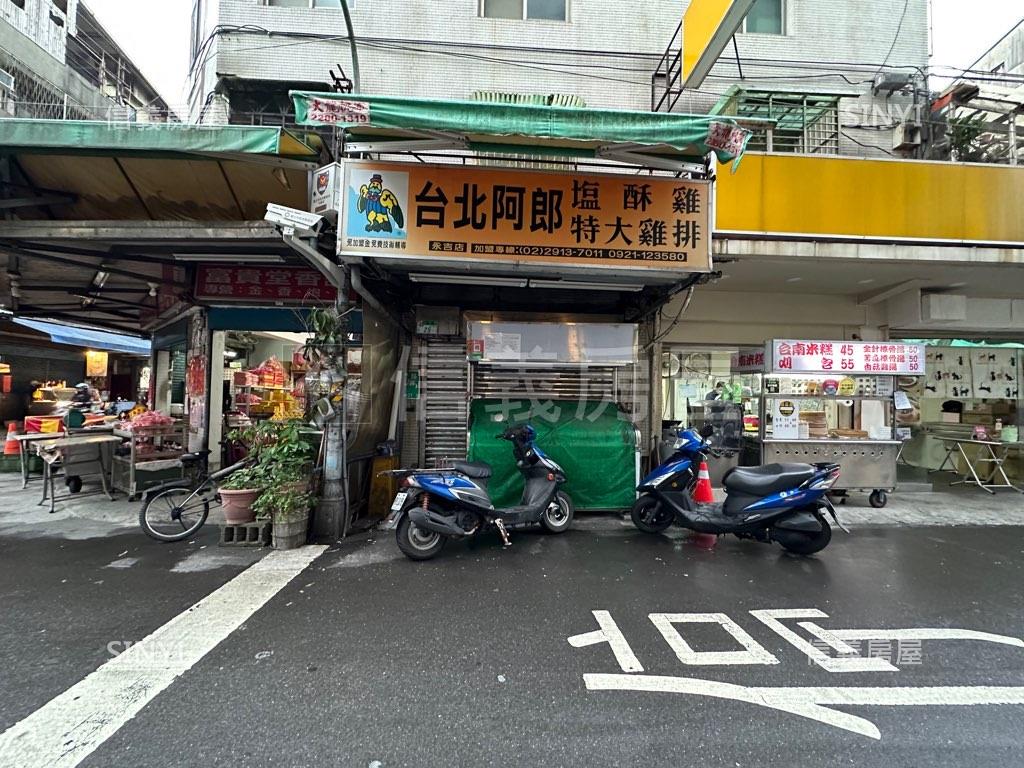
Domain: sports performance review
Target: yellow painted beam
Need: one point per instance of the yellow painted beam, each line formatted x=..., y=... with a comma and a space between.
x=795, y=194
x=708, y=25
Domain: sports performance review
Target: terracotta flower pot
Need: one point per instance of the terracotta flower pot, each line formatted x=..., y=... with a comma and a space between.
x=238, y=505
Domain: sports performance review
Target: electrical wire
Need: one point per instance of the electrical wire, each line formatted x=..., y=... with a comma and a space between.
x=895, y=38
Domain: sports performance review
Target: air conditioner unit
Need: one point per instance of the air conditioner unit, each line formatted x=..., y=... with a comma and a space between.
x=890, y=82
x=6, y=80
x=906, y=136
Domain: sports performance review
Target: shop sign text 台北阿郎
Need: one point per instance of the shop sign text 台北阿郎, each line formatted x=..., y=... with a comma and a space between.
x=495, y=214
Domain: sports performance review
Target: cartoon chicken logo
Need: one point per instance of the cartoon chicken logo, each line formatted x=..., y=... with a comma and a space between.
x=380, y=206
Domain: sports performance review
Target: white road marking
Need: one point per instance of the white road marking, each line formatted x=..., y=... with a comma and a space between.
x=813, y=703
x=770, y=618
x=610, y=633
x=71, y=726
x=753, y=653
x=924, y=633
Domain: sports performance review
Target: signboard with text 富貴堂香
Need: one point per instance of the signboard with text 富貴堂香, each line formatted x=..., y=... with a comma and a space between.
x=276, y=285
x=496, y=214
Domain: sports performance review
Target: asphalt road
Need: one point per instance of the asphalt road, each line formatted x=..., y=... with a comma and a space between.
x=367, y=659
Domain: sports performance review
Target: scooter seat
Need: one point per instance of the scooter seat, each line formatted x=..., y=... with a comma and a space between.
x=766, y=480
x=478, y=470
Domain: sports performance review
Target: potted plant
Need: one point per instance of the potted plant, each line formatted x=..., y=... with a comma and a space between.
x=239, y=492
x=288, y=510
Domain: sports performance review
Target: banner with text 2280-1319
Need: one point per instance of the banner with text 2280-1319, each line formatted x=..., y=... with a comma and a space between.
x=494, y=214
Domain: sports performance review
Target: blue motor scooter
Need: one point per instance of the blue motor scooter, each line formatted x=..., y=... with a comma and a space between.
x=782, y=503
x=434, y=505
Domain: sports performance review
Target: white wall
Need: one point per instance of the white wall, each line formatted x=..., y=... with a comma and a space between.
x=632, y=35
x=722, y=317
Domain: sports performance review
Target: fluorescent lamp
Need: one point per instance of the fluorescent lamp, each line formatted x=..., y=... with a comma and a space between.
x=580, y=285
x=511, y=282
x=230, y=258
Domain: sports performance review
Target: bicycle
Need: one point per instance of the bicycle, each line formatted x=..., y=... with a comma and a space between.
x=176, y=510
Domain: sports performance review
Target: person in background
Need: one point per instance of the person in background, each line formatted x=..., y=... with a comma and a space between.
x=717, y=392
x=82, y=397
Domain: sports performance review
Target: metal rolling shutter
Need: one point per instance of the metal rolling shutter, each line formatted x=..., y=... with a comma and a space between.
x=444, y=399
x=547, y=382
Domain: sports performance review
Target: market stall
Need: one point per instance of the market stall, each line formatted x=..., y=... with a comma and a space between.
x=834, y=401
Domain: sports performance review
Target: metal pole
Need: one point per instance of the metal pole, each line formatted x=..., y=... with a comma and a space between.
x=333, y=509
x=352, y=45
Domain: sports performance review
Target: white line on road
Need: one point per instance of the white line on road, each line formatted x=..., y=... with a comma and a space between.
x=71, y=726
x=814, y=703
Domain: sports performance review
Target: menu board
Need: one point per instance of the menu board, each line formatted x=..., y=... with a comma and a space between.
x=847, y=357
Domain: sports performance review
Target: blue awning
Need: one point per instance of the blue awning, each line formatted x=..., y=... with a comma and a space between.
x=86, y=337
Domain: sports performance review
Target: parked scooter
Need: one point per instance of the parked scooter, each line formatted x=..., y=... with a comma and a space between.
x=784, y=503
x=435, y=505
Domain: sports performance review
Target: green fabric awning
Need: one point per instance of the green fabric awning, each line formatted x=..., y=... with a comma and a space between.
x=525, y=126
x=86, y=136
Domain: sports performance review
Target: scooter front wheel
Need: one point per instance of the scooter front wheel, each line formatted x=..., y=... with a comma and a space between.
x=558, y=516
x=650, y=515
x=417, y=543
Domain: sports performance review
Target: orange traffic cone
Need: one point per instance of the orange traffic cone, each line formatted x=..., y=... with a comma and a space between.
x=11, y=446
x=703, y=494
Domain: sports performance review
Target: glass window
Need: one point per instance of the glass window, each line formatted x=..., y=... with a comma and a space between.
x=503, y=9
x=765, y=17
x=329, y=3
x=546, y=9
x=289, y=3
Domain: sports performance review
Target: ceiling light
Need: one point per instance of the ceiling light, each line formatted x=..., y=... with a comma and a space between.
x=793, y=279
x=230, y=258
x=957, y=285
x=866, y=281
x=510, y=282
x=579, y=285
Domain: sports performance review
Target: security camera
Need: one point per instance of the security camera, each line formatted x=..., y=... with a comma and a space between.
x=294, y=221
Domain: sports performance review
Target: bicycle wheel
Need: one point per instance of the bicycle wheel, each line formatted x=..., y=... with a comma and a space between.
x=173, y=514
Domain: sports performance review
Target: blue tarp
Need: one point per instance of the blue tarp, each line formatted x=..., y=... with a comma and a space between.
x=87, y=337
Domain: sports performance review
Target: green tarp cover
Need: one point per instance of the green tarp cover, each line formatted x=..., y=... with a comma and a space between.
x=685, y=133
x=590, y=440
x=94, y=136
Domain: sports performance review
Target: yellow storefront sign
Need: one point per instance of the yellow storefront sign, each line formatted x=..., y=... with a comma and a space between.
x=852, y=197
x=500, y=215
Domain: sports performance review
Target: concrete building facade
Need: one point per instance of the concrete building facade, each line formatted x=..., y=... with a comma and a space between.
x=58, y=62
x=602, y=53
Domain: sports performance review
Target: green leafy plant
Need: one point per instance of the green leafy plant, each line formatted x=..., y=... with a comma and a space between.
x=326, y=342
x=246, y=479
x=283, y=504
x=283, y=459
x=963, y=137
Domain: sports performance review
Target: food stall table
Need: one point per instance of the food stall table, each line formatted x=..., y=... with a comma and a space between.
x=991, y=452
x=835, y=402
x=24, y=450
x=80, y=455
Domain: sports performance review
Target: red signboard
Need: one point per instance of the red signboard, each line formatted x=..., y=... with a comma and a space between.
x=262, y=284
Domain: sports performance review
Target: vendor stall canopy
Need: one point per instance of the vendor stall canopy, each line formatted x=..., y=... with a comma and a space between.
x=88, y=337
x=86, y=170
x=396, y=124
x=105, y=214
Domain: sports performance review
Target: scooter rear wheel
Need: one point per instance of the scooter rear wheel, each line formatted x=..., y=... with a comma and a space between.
x=800, y=543
x=417, y=543
x=650, y=515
